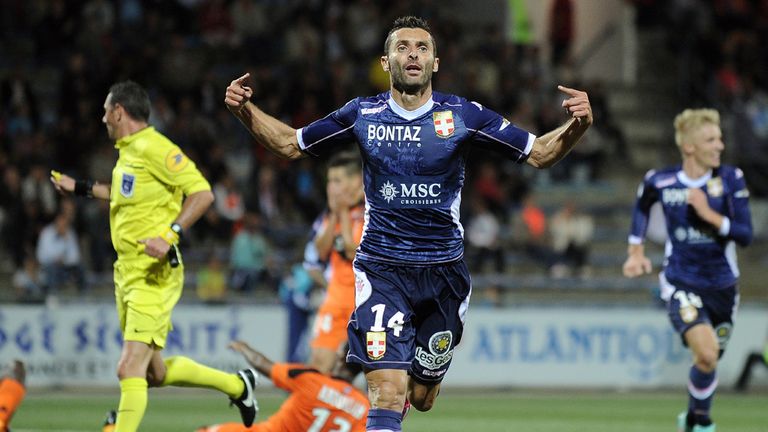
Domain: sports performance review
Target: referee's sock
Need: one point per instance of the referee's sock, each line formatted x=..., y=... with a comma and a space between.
x=185, y=372
x=133, y=403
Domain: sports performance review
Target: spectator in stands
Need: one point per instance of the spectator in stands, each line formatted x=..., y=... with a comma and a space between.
x=58, y=252
x=249, y=255
x=483, y=231
x=229, y=201
x=28, y=282
x=212, y=280
x=572, y=232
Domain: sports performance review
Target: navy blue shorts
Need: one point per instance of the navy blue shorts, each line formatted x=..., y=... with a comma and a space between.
x=687, y=308
x=408, y=317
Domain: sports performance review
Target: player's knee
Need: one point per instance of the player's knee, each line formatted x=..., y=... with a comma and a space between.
x=386, y=395
x=706, y=361
x=423, y=397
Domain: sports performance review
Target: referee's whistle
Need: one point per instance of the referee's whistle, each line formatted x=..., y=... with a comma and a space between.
x=56, y=175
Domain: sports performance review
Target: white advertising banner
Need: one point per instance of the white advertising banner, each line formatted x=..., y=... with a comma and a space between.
x=532, y=347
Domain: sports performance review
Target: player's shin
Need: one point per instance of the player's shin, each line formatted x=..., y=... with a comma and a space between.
x=133, y=403
x=382, y=420
x=185, y=372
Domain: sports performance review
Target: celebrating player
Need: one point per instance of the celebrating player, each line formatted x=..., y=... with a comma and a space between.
x=336, y=242
x=318, y=402
x=706, y=209
x=147, y=219
x=412, y=285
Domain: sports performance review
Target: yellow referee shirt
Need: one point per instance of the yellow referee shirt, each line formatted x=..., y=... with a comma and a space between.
x=149, y=181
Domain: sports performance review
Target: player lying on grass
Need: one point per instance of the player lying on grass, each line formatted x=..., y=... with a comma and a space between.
x=317, y=402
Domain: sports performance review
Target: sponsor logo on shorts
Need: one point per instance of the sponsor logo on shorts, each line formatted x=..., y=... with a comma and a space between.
x=376, y=344
x=440, y=352
x=723, y=332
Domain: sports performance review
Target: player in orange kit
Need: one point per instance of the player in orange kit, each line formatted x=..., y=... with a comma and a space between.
x=336, y=242
x=12, y=391
x=318, y=402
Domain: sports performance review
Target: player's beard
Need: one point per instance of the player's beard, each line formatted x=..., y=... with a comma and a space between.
x=401, y=82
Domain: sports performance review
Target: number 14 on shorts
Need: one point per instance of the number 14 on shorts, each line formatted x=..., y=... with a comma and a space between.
x=395, y=322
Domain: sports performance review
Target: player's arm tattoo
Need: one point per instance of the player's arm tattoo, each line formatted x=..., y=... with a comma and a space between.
x=276, y=136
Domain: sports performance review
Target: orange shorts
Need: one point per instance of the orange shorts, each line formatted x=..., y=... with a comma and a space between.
x=330, y=329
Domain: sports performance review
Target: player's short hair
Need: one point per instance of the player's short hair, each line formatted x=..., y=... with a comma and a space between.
x=409, y=21
x=692, y=119
x=348, y=160
x=133, y=98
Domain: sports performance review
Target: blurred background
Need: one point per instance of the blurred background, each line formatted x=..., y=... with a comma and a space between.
x=545, y=248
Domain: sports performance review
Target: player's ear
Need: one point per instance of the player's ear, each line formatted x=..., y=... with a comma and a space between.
x=436, y=65
x=385, y=63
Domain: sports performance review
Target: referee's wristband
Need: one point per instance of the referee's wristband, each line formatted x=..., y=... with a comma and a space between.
x=84, y=188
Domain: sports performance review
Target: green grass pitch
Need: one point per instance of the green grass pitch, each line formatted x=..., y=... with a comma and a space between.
x=477, y=411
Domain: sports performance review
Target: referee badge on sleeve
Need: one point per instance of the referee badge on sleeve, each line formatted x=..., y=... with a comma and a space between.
x=376, y=344
x=127, y=185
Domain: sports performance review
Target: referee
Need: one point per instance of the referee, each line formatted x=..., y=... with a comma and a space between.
x=147, y=219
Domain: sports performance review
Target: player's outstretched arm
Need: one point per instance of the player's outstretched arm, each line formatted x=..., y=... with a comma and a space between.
x=637, y=264
x=270, y=132
x=256, y=359
x=549, y=148
x=65, y=184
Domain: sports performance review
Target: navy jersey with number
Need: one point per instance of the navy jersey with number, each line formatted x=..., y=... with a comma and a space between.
x=696, y=254
x=413, y=168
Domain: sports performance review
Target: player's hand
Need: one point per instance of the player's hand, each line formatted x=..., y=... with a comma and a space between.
x=155, y=247
x=251, y=356
x=63, y=183
x=577, y=105
x=636, y=265
x=238, y=93
x=698, y=200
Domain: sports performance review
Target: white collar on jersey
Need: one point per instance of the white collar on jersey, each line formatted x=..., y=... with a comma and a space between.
x=410, y=115
x=693, y=183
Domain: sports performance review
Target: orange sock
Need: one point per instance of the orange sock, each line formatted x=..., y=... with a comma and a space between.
x=11, y=394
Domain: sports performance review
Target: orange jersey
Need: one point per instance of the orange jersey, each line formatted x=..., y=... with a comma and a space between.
x=317, y=402
x=341, y=287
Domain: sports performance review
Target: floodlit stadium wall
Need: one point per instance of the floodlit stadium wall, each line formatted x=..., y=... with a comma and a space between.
x=531, y=347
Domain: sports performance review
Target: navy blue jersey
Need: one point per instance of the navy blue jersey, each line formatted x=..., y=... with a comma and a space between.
x=413, y=169
x=696, y=254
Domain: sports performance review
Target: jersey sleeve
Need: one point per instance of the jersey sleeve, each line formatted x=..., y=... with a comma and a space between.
x=738, y=222
x=171, y=166
x=493, y=132
x=332, y=130
x=647, y=194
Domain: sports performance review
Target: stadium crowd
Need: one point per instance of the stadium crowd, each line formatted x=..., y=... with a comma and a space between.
x=59, y=58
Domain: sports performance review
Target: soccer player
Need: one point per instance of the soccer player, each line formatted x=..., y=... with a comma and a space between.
x=412, y=286
x=147, y=219
x=336, y=242
x=706, y=209
x=318, y=402
x=12, y=392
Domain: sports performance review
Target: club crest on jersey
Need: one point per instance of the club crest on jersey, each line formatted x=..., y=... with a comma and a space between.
x=376, y=344
x=127, y=185
x=175, y=161
x=715, y=187
x=444, y=125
